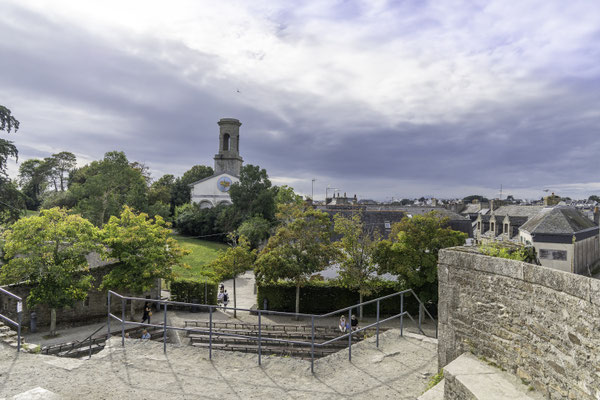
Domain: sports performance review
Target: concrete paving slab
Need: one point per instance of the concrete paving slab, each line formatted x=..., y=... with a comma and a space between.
x=37, y=393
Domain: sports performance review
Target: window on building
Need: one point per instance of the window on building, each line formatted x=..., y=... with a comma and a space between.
x=505, y=228
x=478, y=226
x=226, y=142
x=558, y=255
x=492, y=226
x=387, y=225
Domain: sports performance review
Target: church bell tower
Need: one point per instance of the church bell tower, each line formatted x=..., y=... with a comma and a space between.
x=229, y=160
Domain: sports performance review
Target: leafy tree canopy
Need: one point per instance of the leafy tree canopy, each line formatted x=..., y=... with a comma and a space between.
x=49, y=252
x=297, y=250
x=412, y=251
x=253, y=194
x=355, y=257
x=144, y=248
x=11, y=201
x=255, y=229
x=103, y=187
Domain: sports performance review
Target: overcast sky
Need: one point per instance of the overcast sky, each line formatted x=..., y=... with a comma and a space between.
x=382, y=99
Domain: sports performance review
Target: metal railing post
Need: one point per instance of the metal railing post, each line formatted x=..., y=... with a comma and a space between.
x=349, y=335
x=420, y=315
x=259, y=339
x=108, y=319
x=165, y=330
x=377, y=341
x=312, y=345
x=402, y=314
x=19, y=319
x=122, y=322
x=210, y=324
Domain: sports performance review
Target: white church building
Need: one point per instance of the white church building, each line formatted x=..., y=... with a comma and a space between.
x=212, y=191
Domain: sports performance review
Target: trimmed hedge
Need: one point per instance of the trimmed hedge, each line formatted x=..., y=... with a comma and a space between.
x=190, y=290
x=321, y=297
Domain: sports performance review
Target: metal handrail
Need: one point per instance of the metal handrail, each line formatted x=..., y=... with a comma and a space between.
x=259, y=338
x=19, y=315
x=77, y=342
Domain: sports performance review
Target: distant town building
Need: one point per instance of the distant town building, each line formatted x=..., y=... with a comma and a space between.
x=502, y=223
x=212, y=191
x=564, y=239
x=380, y=217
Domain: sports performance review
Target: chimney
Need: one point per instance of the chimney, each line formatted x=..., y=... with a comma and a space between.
x=596, y=215
x=492, y=205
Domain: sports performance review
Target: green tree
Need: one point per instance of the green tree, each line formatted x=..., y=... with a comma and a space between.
x=255, y=229
x=161, y=189
x=253, y=194
x=286, y=195
x=33, y=177
x=236, y=260
x=412, y=252
x=357, y=246
x=102, y=188
x=297, y=250
x=11, y=201
x=60, y=166
x=7, y=121
x=145, y=251
x=49, y=253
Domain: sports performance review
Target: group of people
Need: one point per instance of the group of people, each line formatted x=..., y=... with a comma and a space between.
x=223, y=296
x=347, y=326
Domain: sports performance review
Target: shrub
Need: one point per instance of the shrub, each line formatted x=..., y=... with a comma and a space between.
x=510, y=251
x=321, y=297
x=193, y=291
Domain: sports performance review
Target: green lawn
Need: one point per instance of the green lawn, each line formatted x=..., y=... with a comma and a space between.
x=202, y=253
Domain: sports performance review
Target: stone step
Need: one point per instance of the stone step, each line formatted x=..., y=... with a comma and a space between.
x=467, y=377
x=435, y=393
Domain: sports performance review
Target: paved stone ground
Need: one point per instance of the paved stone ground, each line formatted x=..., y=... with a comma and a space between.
x=398, y=369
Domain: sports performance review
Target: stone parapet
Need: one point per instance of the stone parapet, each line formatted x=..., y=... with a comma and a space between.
x=541, y=324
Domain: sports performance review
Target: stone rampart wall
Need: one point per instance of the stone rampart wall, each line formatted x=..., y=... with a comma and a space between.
x=541, y=324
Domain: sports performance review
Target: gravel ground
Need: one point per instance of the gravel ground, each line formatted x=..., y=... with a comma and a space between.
x=398, y=369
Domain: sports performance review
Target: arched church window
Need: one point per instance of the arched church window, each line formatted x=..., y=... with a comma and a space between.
x=226, y=142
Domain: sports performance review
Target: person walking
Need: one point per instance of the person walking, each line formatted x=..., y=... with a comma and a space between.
x=225, y=298
x=147, y=313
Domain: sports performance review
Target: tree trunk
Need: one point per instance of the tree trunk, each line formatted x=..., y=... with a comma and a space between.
x=53, y=322
x=297, y=301
x=360, y=309
x=234, y=300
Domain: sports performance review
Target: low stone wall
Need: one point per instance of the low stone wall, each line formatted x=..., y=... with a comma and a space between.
x=94, y=308
x=541, y=324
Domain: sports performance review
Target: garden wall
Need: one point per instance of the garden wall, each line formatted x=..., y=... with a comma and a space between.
x=90, y=310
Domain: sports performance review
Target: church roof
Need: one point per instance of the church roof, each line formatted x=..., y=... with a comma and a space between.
x=212, y=177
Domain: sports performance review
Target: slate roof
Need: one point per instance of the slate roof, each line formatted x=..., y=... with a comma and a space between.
x=518, y=211
x=558, y=220
x=471, y=209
